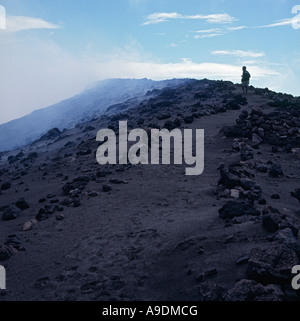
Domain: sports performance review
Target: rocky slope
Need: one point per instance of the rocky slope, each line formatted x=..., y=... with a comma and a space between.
x=74, y=230
x=91, y=103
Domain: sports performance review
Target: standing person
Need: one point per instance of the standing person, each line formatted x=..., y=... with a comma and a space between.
x=245, y=80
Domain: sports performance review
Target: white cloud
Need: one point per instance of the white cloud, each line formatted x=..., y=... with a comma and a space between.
x=172, y=45
x=36, y=73
x=208, y=30
x=18, y=23
x=159, y=17
x=236, y=28
x=283, y=22
x=239, y=53
x=209, y=35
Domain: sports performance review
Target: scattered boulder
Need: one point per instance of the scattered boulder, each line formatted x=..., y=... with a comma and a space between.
x=271, y=222
x=262, y=168
x=169, y=125
x=237, y=208
x=5, y=186
x=244, y=115
x=275, y=196
x=296, y=194
x=117, y=181
x=84, y=152
x=27, y=226
x=249, y=290
x=107, y=188
x=228, y=179
x=210, y=291
x=22, y=204
x=188, y=119
x=246, y=153
x=6, y=252
x=256, y=140
x=78, y=184
x=242, y=260
x=276, y=171
x=285, y=236
x=233, y=106
x=60, y=217
x=271, y=265
x=42, y=215
x=93, y=194
x=11, y=213
x=51, y=134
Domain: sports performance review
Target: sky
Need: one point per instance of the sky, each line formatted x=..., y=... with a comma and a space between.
x=51, y=50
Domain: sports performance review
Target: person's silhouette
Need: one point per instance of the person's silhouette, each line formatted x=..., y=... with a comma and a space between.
x=245, y=80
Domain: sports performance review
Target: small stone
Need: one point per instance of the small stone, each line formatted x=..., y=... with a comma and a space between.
x=275, y=196
x=262, y=168
x=5, y=186
x=235, y=193
x=242, y=260
x=271, y=222
x=256, y=140
x=276, y=171
x=5, y=252
x=76, y=203
x=11, y=213
x=28, y=225
x=248, y=290
x=211, y=272
x=271, y=265
x=211, y=292
x=93, y=194
x=22, y=204
x=42, y=215
x=60, y=217
x=107, y=188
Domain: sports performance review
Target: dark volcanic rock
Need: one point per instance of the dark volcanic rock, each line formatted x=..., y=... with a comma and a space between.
x=237, y=208
x=11, y=213
x=78, y=184
x=84, y=152
x=296, y=194
x=235, y=131
x=228, y=179
x=249, y=290
x=246, y=153
x=42, y=215
x=188, y=119
x=5, y=186
x=5, y=252
x=261, y=168
x=271, y=222
x=107, y=188
x=22, y=204
x=244, y=115
x=211, y=292
x=233, y=106
x=51, y=134
x=271, y=265
x=117, y=181
x=169, y=125
x=276, y=171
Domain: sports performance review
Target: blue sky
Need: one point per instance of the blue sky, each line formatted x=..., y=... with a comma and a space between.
x=53, y=49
